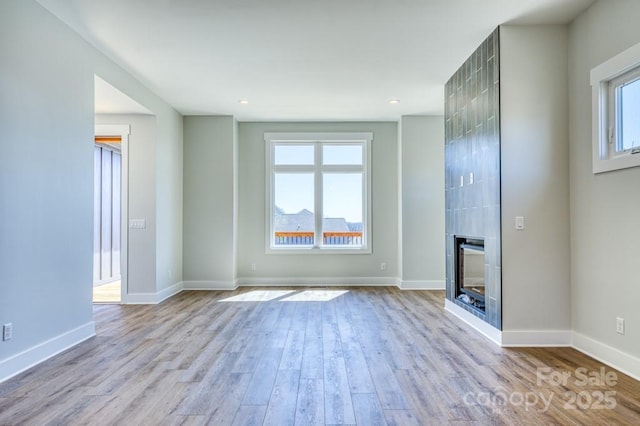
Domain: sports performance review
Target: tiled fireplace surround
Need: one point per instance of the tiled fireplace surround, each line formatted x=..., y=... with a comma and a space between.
x=472, y=169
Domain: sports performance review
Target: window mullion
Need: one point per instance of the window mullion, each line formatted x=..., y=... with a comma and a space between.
x=293, y=169
x=318, y=241
x=272, y=176
x=343, y=168
x=617, y=121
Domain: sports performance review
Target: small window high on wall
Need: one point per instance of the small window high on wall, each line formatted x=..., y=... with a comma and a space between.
x=318, y=192
x=624, y=112
x=616, y=112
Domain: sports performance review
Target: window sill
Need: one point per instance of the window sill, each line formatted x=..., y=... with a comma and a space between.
x=317, y=251
x=618, y=162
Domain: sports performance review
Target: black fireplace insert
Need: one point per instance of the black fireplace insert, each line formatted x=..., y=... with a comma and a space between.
x=470, y=272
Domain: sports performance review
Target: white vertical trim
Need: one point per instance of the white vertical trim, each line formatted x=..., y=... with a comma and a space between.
x=269, y=182
x=235, y=199
x=400, y=197
x=124, y=215
x=367, y=193
x=318, y=190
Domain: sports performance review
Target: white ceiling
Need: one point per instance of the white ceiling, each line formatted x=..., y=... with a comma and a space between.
x=299, y=59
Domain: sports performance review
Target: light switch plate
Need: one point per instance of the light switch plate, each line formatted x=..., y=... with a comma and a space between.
x=7, y=332
x=519, y=223
x=137, y=224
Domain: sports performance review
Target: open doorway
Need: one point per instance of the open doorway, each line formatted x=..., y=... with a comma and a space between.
x=107, y=201
x=111, y=189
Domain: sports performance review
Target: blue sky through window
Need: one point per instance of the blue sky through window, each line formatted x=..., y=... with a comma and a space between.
x=294, y=192
x=342, y=196
x=342, y=192
x=630, y=97
x=342, y=154
x=294, y=154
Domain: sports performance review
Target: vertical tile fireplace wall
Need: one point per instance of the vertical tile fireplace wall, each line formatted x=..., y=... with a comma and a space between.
x=472, y=169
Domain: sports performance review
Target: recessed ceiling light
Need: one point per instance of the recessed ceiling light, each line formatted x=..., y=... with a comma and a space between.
x=243, y=101
x=394, y=101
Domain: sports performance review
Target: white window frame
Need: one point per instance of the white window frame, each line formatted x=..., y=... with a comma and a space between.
x=604, y=80
x=318, y=140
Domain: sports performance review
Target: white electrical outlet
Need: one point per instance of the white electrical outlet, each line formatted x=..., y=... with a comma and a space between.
x=620, y=325
x=7, y=332
x=253, y=267
x=383, y=266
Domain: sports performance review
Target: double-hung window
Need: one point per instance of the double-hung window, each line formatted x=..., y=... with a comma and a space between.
x=616, y=112
x=318, y=192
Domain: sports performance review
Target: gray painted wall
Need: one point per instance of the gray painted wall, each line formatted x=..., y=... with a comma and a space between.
x=535, y=178
x=422, y=183
x=46, y=116
x=169, y=200
x=224, y=228
x=209, y=199
x=604, y=207
x=325, y=267
x=46, y=173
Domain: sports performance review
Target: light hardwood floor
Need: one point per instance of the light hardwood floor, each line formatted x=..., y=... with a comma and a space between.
x=367, y=356
x=107, y=293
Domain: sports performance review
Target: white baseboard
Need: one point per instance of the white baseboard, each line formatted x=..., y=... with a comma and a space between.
x=422, y=284
x=170, y=291
x=535, y=338
x=141, y=299
x=209, y=285
x=615, y=358
x=482, y=327
x=621, y=361
x=152, y=298
x=24, y=360
x=317, y=281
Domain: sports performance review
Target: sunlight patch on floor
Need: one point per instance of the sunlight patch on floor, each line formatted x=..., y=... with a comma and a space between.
x=315, y=296
x=258, y=296
x=107, y=293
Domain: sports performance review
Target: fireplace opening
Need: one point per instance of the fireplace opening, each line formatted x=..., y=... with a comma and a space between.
x=470, y=272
